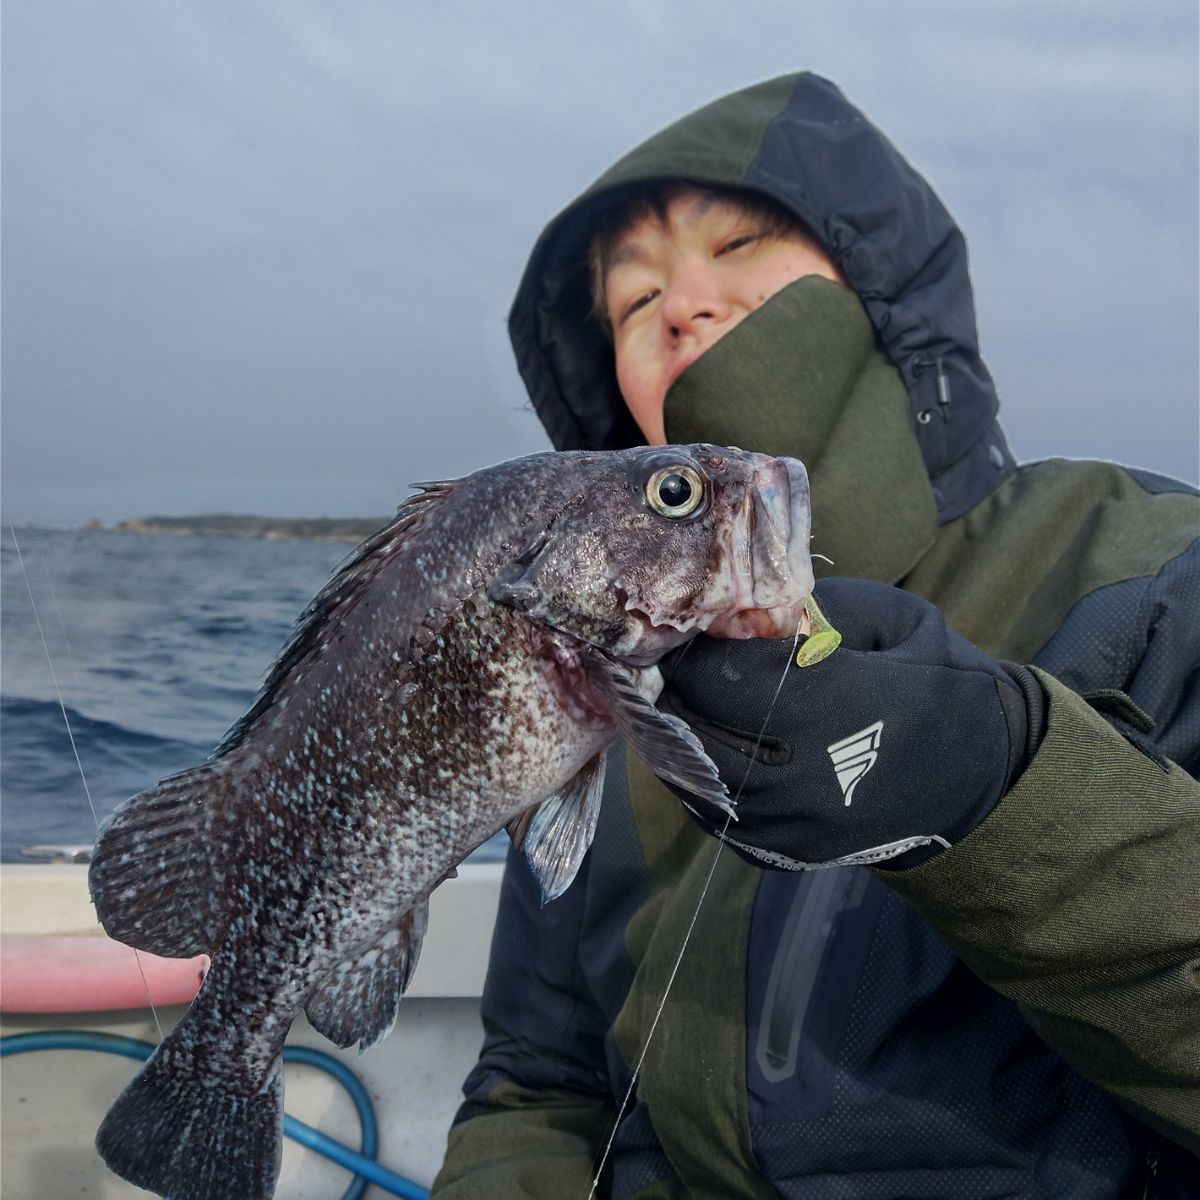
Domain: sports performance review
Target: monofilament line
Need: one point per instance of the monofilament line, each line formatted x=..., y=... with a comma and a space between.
x=61, y=623
x=712, y=870
x=53, y=677
x=71, y=738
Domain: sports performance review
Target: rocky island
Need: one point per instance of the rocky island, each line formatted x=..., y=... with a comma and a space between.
x=316, y=529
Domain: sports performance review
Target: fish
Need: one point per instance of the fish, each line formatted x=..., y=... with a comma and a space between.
x=464, y=671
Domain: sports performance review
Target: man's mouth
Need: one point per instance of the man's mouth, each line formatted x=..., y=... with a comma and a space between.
x=681, y=365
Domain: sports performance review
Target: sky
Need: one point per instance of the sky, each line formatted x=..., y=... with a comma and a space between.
x=258, y=258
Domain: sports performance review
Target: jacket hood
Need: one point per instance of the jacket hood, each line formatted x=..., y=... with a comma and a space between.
x=799, y=141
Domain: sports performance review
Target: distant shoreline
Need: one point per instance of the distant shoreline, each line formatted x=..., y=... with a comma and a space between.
x=311, y=529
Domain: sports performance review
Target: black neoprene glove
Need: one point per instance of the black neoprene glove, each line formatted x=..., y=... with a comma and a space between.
x=899, y=743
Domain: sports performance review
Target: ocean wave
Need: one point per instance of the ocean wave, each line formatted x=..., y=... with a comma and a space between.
x=44, y=796
x=158, y=643
x=45, y=793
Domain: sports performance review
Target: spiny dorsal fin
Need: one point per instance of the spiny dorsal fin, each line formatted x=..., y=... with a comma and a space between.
x=345, y=588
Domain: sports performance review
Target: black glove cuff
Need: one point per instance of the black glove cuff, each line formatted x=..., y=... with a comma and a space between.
x=1026, y=716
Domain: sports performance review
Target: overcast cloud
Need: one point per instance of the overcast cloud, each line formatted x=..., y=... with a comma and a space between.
x=257, y=258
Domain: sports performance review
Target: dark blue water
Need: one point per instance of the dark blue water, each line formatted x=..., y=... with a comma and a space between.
x=158, y=644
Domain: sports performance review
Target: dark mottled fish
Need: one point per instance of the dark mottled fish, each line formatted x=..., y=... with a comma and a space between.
x=464, y=670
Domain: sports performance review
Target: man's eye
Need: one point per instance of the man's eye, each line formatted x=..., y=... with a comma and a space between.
x=636, y=303
x=738, y=242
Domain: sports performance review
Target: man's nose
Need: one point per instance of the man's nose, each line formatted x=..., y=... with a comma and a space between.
x=693, y=299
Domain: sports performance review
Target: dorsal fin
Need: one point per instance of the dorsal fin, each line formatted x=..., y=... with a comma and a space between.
x=349, y=582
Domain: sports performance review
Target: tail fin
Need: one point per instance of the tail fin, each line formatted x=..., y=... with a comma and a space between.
x=185, y=1139
x=151, y=879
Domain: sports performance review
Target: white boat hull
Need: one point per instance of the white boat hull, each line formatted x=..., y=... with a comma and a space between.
x=52, y=1101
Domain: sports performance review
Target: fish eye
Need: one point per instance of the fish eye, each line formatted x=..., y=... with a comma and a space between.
x=675, y=491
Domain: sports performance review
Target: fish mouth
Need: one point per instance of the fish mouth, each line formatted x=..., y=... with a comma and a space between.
x=772, y=577
x=759, y=571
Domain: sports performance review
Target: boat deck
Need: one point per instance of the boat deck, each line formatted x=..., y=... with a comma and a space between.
x=51, y=1101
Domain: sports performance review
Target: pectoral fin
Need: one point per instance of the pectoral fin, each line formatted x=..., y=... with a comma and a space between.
x=663, y=742
x=555, y=835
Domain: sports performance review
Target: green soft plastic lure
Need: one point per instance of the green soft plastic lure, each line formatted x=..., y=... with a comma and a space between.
x=822, y=639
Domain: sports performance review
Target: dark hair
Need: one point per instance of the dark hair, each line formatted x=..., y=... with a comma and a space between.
x=651, y=203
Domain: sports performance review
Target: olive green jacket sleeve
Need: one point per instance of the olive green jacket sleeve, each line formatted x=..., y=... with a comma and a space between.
x=526, y=1143
x=1079, y=898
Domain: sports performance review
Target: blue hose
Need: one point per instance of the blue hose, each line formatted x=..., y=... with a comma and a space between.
x=362, y=1163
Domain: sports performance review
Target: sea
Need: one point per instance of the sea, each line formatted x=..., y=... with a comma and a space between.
x=125, y=657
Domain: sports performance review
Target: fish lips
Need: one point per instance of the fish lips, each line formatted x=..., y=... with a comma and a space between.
x=773, y=585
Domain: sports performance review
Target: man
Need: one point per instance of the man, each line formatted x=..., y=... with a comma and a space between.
x=1006, y=1003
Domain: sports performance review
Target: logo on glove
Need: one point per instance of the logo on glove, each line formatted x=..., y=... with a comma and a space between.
x=854, y=756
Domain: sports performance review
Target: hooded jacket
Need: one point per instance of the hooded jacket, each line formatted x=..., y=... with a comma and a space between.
x=1019, y=1016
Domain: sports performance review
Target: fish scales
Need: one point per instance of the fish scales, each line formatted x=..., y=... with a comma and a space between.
x=464, y=670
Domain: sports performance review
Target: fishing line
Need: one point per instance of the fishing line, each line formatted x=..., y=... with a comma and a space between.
x=71, y=737
x=712, y=870
x=53, y=677
x=61, y=625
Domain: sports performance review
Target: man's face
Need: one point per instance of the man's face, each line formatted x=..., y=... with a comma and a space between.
x=673, y=288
